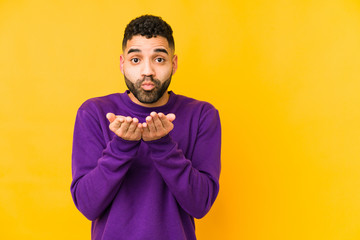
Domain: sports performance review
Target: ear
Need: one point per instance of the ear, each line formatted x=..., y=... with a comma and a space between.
x=174, y=63
x=122, y=60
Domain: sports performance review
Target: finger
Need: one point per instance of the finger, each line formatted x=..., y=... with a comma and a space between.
x=115, y=125
x=131, y=133
x=145, y=130
x=125, y=125
x=138, y=130
x=171, y=117
x=121, y=118
x=132, y=126
x=166, y=122
x=111, y=117
x=150, y=124
x=157, y=122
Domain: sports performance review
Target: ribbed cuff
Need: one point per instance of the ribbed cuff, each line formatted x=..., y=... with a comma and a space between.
x=161, y=146
x=121, y=146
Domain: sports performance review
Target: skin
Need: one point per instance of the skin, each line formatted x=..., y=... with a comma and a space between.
x=144, y=58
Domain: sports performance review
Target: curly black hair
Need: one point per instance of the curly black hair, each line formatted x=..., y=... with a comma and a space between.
x=148, y=26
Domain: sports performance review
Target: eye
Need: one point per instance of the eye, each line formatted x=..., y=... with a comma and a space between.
x=135, y=60
x=159, y=60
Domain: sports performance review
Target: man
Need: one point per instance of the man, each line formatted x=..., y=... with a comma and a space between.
x=146, y=161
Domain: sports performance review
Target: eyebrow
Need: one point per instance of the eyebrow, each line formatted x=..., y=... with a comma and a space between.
x=156, y=50
x=161, y=50
x=133, y=50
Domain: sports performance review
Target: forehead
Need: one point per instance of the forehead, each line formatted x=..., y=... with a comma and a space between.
x=147, y=44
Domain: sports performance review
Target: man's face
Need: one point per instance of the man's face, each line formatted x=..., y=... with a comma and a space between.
x=147, y=65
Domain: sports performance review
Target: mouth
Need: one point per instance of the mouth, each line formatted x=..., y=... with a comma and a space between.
x=147, y=86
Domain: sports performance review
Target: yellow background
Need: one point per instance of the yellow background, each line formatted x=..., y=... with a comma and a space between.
x=283, y=74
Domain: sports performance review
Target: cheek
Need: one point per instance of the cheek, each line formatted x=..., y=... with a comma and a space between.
x=164, y=74
x=131, y=73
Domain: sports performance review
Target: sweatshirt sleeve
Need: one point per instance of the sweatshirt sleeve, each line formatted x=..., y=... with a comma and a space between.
x=98, y=167
x=194, y=182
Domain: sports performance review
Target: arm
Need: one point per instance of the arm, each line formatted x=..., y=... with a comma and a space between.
x=193, y=182
x=98, y=167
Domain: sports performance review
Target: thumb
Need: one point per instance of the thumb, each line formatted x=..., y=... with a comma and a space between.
x=171, y=117
x=111, y=117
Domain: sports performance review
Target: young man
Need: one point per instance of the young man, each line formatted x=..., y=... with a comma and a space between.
x=147, y=161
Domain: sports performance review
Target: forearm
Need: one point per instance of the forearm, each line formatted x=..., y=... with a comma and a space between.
x=194, y=189
x=94, y=189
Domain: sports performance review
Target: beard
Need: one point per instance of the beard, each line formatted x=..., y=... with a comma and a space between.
x=152, y=95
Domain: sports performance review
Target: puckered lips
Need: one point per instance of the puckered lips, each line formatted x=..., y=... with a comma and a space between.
x=147, y=85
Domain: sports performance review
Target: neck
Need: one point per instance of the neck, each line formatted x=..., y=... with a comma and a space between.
x=162, y=101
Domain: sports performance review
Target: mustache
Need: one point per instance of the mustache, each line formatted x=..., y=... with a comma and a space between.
x=148, y=78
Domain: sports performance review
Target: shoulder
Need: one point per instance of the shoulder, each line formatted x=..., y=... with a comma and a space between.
x=198, y=116
x=97, y=107
x=192, y=104
x=95, y=103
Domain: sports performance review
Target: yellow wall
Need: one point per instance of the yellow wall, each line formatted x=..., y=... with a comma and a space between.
x=285, y=76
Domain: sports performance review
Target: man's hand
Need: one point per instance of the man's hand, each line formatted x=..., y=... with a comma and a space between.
x=157, y=126
x=125, y=127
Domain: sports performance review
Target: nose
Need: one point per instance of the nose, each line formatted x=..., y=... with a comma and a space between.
x=147, y=69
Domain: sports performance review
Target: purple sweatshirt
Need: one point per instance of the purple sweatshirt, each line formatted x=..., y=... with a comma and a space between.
x=145, y=190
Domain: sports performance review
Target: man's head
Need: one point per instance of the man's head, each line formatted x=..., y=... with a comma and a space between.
x=148, y=61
